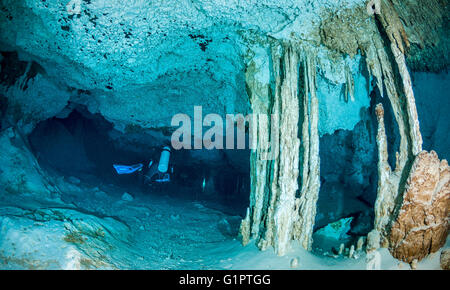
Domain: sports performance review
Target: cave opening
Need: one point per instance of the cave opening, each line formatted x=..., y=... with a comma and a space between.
x=82, y=147
x=349, y=176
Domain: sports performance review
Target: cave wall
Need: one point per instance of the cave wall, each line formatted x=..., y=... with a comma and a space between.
x=190, y=58
x=28, y=94
x=348, y=177
x=20, y=173
x=432, y=98
x=339, y=109
x=122, y=68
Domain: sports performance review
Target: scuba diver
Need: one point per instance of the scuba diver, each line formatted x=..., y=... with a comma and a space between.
x=153, y=172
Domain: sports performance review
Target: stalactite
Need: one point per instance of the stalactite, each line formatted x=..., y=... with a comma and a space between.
x=278, y=213
x=389, y=179
x=401, y=193
x=262, y=103
x=311, y=163
x=258, y=180
x=349, y=85
x=415, y=136
x=395, y=31
x=393, y=25
x=285, y=213
x=268, y=239
x=280, y=210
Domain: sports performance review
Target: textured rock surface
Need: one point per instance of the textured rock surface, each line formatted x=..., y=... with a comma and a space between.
x=426, y=24
x=19, y=171
x=59, y=238
x=279, y=212
x=387, y=182
x=391, y=180
x=127, y=58
x=336, y=110
x=137, y=63
x=421, y=227
x=348, y=177
x=30, y=96
x=445, y=259
x=39, y=231
x=306, y=203
x=172, y=54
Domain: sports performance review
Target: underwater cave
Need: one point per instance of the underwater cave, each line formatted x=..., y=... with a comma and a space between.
x=83, y=147
x=116, y=150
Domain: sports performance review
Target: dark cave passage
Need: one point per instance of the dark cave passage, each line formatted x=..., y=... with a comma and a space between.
x=86, y=146
x=349, y=172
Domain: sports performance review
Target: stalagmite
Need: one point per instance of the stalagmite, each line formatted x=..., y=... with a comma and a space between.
x=271, y=182
x=419, y=185
x=261, y=102
x=289, y=154
x=360, y=244
x=341, y=249
x=391, y=180
x=282, y=209
x=245, y=228
x=386, y=190
x=421, y=225
x=256, y=225
x=294, y=263
x=87, y=85
x=399, y=44
x=351, y=252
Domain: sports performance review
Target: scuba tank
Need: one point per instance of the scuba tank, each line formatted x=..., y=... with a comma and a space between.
x=163, y=164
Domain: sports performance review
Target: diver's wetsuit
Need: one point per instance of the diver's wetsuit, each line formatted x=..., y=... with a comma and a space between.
x=152, y=173
x=156, y=171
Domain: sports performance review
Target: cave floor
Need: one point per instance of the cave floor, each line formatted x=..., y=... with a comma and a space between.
x=167, y=233
x=93, y=227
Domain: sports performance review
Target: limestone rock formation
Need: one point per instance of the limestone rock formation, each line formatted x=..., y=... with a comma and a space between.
x=386, y=62
x=77, y=241
x=445, y=259
x=425, y=24
x=422, y=226
x=290, y=214
x=20, y=172
x=37, y=229
x=305, y=68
